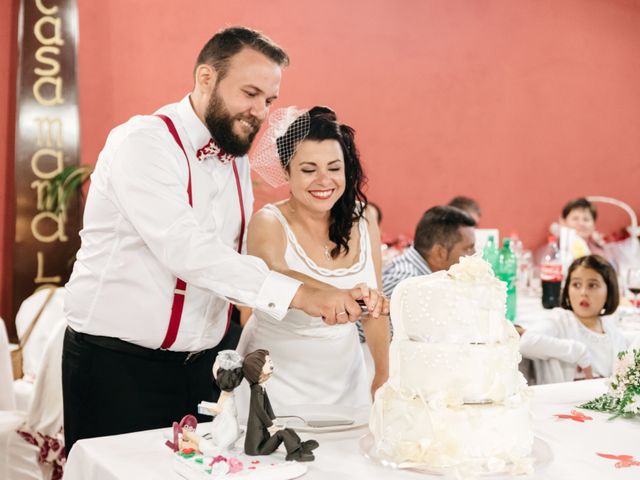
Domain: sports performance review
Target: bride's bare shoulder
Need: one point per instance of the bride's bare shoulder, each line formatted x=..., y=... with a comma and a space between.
x=266, y=219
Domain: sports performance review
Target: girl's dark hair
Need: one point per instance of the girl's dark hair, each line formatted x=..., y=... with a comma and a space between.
x=228, y=380
x=350, y=207
x=608, y=274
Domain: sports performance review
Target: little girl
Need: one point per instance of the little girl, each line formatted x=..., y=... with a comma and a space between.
x=578, y=340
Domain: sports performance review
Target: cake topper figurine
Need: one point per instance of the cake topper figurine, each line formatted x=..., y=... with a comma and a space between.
x=185, y=437
x=263, y=436
x=227, y=372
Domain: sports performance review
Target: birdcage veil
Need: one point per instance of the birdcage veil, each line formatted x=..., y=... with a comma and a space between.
x=286, y=128
x=229, y=359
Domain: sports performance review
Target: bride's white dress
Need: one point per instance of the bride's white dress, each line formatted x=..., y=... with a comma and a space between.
x=314, y=363
x=224, y=428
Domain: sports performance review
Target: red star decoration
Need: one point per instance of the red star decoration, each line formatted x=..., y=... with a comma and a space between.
x=575, y=415
x=624, y=461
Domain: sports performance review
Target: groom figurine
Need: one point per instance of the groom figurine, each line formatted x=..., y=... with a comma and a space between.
x=263, y=437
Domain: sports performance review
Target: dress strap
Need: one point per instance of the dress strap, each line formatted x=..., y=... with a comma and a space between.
x=327, y=272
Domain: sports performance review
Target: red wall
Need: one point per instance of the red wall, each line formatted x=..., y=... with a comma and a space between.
x=521, y=105
x=8, y=58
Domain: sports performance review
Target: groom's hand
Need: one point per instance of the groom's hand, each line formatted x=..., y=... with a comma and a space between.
x=331, y=304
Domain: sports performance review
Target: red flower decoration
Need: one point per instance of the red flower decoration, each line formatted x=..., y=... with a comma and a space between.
x=575, y=415
x=218, y=458
x=51, y=449
x=624, y=461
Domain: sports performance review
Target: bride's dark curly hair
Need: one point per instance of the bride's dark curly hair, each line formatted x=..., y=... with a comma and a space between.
x=350, y=207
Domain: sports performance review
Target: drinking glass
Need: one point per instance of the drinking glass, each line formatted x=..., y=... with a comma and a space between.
x=633, y=284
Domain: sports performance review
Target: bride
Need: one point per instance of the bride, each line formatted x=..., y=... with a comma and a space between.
x=322, y=234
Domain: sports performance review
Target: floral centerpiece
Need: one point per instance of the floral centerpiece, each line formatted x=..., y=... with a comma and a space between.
x=623, y=397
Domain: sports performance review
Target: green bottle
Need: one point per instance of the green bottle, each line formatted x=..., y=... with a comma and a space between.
x=507, y=271
x=490, y=253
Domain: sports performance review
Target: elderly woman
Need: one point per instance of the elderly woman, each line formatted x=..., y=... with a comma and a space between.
x=322, y=234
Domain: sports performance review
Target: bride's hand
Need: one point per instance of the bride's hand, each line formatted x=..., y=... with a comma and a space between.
x=378, y=381
x=377, y=304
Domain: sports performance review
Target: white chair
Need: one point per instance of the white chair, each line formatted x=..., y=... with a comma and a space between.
x=50, y=317
x=19, y=459
x=623, y=254
x=32, y=352
x=7, y=397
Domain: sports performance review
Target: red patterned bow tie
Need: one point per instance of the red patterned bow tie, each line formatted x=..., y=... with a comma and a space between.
x=212, y=150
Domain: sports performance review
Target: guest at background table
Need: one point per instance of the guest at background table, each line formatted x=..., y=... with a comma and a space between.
x=580, y=215
x=169, y=198
x=579, y=339
x=443, y=235
x=467, y=204
x=323, y=232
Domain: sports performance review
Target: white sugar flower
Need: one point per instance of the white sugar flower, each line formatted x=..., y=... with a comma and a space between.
x=633, y=406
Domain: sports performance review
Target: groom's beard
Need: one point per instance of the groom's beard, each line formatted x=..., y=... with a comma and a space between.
x=220, y=124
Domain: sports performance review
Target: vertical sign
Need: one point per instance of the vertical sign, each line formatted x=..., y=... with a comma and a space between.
x=47, y=140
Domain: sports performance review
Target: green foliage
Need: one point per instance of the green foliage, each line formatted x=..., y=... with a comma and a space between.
x=65, y=186
x=623, y=397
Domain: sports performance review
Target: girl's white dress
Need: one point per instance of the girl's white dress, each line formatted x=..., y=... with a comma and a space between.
x=314, y=363
x=559, y=342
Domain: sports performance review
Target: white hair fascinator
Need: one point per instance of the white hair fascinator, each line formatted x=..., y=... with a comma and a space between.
x=287, y=127
x=228, y=360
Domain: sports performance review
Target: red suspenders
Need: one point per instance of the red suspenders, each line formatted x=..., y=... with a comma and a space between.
x=181, y=286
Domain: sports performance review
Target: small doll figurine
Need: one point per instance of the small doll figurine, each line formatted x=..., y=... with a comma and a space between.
x=227, y=371
x=185, y=436
x=263, y=436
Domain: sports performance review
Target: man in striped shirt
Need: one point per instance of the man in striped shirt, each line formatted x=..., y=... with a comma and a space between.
x=443, y=235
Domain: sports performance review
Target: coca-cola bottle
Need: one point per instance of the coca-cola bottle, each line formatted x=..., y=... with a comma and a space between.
x=551, y=274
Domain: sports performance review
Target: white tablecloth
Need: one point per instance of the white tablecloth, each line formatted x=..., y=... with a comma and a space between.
x=573, y=444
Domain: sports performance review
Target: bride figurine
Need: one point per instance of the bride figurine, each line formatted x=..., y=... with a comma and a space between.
x=227, y=372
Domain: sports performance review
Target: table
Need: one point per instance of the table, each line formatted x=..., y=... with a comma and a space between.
x=142, y=455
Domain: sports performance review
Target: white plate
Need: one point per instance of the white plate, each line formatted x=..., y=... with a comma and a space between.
x=541, y=453
x=360, y=417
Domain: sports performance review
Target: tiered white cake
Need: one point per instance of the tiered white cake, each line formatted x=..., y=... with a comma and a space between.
x=455, y=397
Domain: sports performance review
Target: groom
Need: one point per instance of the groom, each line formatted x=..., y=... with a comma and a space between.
x=160, y=261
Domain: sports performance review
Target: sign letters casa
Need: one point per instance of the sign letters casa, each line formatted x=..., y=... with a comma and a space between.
x=47, y=141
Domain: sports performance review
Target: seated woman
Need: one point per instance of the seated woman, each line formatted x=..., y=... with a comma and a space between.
x=323, y=234
x=578, y=340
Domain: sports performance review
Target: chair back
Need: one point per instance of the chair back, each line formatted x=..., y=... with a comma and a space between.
x=623, y=254
x=45, y=410
x=7, y=396
x=51, y=315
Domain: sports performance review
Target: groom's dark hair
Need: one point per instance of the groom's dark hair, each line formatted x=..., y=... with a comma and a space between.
x=252, y=365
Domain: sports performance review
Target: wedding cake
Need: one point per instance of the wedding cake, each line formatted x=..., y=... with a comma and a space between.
x=455, y=398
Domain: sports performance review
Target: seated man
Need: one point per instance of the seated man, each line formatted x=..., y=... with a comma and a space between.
x=443, y=235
